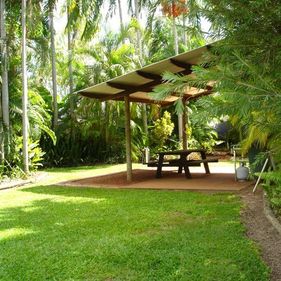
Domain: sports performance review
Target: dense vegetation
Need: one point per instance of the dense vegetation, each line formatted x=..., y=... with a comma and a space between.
x=246, y=67
x=56, y=233
x=65, y=129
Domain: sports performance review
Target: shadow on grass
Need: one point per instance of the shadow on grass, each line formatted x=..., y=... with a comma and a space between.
x=92, y=192
x=96, y=234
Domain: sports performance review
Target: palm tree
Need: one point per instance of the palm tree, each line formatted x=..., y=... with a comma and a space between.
x=120, y=16
x=174, y=9
x=184, y=37
x=5, y=91
x=70, y=43
x=24, y=91
x=54, y=69
x=141, y=59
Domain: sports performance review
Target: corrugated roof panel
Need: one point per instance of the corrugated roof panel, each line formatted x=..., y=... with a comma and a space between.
x=134, y=84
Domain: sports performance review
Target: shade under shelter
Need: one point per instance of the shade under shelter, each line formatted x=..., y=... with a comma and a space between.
x=135, y=86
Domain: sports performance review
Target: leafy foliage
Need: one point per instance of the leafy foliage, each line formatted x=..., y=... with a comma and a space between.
x=245, y=66
x=200, y=132
x=272, y=186
x=245, y=70
x=161, y=130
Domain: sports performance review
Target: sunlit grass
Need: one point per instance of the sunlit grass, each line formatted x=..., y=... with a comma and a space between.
x=58, y=233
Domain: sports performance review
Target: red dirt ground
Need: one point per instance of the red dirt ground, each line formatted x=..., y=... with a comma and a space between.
x=145, y=179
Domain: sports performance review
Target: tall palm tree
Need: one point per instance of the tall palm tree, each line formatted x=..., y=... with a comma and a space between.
x=184, y=37
x=141, y=59
x=24, y=90
x=70, y=43
x=176, y=48
x=53, y=58
x=5, y=91
x=120, y=16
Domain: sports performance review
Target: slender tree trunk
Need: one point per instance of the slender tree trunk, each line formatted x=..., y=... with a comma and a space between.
x=71, y=84
x=120, y=17
x=144, y=119
x=5, y=91
x=54, y=70
x=184, y=37
x=175, y=34
x=24, y=91
x=107, y=121
x=139, y=41
x=140, y=54
x=176, y=48
x=2, y=153
x=69, y=48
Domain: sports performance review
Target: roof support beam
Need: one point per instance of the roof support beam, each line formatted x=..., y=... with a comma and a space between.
x=181, y=64
x=140, y=100
x=140, y=88
x=148, y=90
x=131, y=91
x=120, y=86
x=96, y=95
x=148, y=75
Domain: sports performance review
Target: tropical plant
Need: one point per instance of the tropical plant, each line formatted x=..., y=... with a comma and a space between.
x=160, y=132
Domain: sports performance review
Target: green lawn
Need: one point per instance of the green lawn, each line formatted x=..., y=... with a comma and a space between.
x=56, y=233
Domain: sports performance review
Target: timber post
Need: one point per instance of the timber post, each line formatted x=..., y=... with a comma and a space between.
x=184, y=117
x=128, y=138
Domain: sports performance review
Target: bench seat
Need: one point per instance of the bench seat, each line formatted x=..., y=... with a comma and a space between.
x=207, y=160
x=176, y=162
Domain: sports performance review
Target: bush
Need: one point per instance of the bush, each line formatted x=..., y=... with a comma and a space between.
x=161, y=131
x=272, y=187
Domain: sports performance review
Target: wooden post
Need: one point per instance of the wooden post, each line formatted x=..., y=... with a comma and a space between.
x=180, y=123
x=128, y=138
x=184, y=116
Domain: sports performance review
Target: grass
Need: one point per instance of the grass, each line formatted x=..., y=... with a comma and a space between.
x=56, y=233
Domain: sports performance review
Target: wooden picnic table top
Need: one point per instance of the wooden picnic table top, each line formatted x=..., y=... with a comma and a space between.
x=180, y=152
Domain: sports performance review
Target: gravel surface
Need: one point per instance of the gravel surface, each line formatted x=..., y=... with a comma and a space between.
x=262, y=231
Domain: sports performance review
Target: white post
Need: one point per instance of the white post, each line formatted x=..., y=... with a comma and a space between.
x=259, y=178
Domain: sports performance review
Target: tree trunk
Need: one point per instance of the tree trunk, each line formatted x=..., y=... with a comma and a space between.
x=175, y=34
x=5, y=91
x=184, y=37
x=2, y=154
x=139, y=43
x=24, y=91
x=54, y=70
x=140, y=54
x=69, y=48
x=121, y=17
x=71, y=85
x=176, y=48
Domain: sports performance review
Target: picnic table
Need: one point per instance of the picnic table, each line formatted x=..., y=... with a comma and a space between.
x=182, y=162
